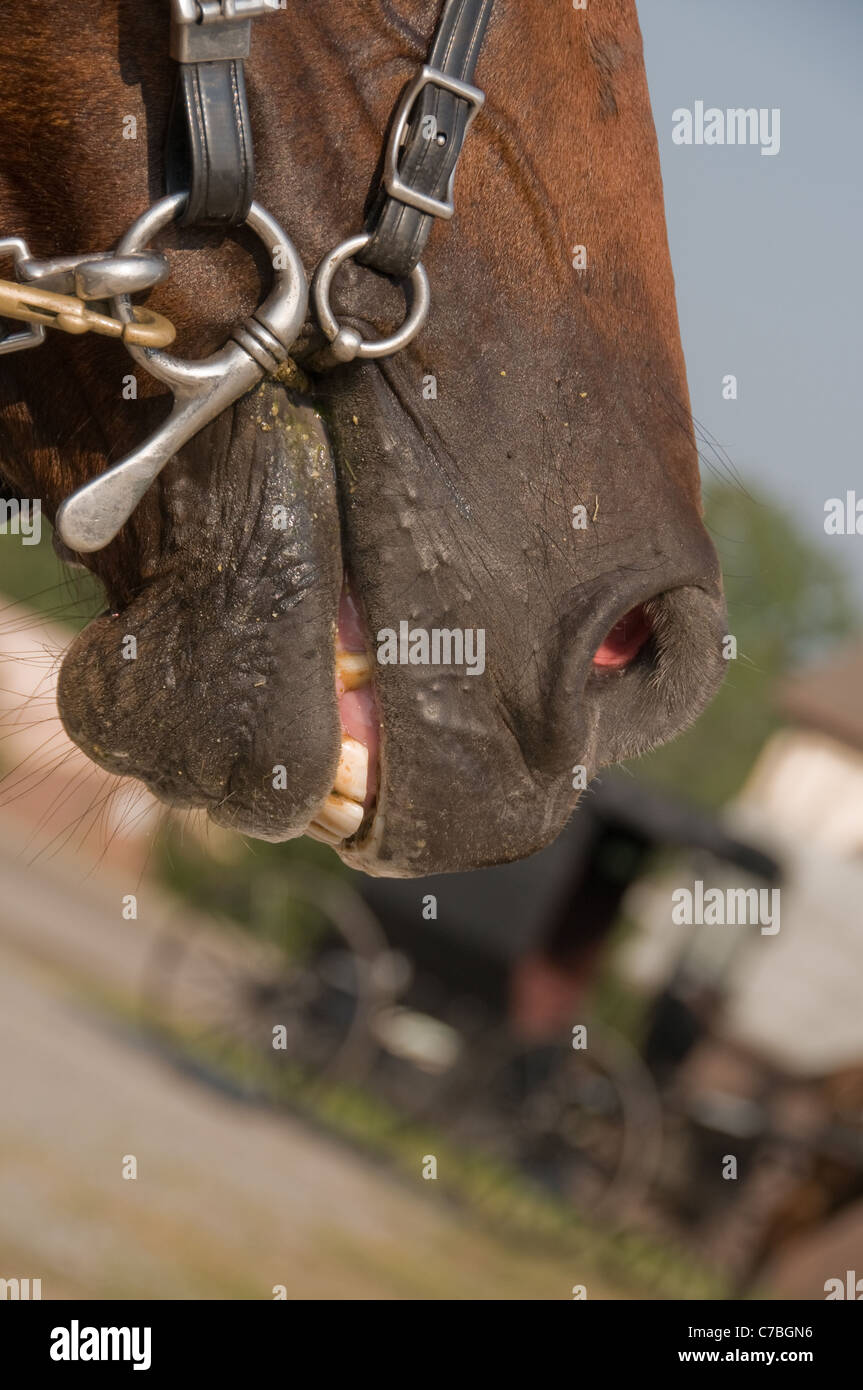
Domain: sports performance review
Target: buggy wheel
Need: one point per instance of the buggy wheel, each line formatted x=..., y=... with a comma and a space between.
x=583, y=1125
x=287, y=1000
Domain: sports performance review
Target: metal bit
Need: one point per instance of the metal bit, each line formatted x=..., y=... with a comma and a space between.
x=93, y=515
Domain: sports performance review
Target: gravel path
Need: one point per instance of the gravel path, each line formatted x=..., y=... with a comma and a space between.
x=229, y=1201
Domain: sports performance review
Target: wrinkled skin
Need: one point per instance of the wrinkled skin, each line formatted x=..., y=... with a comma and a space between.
x=554, y=388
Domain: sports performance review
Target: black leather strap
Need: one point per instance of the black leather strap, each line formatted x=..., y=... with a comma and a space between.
x=400, y=232
x=209, y=147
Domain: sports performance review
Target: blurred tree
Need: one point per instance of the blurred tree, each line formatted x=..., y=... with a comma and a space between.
x=788, y=603
x=244, y=879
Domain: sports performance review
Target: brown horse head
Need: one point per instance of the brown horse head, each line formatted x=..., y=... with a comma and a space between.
x=523, y=478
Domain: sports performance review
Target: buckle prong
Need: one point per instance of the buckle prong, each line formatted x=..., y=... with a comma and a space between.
x=393, y=182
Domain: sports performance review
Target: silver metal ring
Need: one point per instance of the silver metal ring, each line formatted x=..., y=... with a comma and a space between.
x=283, y=311
x=346, y=342
x=93, y=515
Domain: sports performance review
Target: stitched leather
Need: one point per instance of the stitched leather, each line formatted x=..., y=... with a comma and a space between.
x=209, y=147
x=400, y=232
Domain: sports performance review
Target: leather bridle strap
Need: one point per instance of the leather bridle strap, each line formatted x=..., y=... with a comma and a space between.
x=435, y=113
x=209, y=145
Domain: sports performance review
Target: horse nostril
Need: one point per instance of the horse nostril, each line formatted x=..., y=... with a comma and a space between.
x=624, y=641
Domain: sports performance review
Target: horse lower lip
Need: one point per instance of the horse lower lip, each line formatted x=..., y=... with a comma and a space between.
x=624, y=641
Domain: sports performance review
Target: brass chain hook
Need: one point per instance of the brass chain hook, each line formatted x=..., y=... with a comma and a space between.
x=70, y=314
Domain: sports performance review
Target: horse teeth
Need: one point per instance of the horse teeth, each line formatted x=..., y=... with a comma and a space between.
x=353, y=670
x=340, y=816
x=342, y=813
x=326, y=837
x=353, y=769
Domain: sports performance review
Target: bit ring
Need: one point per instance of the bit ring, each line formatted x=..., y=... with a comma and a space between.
x=276, y=321
x=346, y=343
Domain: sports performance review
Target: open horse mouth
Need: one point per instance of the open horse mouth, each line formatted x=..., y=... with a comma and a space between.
x=352, y=799
x=349, y=809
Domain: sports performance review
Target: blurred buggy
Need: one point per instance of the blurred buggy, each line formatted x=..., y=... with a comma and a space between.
x=459, y=1001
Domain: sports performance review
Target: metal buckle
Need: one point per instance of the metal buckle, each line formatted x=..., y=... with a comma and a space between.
x=207, y=31
x=34, y=334
x=393, y=182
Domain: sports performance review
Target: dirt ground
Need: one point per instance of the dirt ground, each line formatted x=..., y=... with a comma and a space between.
x=229, y=1200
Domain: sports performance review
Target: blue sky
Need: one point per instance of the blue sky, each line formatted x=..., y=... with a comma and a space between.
x=767, y=251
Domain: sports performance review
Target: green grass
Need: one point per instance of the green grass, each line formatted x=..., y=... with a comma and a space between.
x=33, y=575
